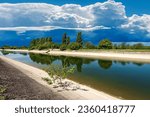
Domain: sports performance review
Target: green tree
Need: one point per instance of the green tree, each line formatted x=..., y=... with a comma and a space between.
x=23, y=47
x=67, y=40
x=41, y=43
x=49, y=39
x=105, y=44
x=79, y=39
x=138, y=46
x=63, y=47
x=89, y=45
x=74, y=46
x=64, y=38
x=56, y=45
x=115, y=46
x=123, y=45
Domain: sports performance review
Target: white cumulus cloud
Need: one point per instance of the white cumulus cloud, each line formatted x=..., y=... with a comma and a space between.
x=138, y=24
x=107, y=14
x=101, y=15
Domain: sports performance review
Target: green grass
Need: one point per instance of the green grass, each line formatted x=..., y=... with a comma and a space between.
x=49, y=81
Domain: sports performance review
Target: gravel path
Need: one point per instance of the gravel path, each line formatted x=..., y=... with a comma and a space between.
x=21, y=87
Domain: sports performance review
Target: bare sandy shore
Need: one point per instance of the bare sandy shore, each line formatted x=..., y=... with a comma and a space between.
x=15, y=85
x=82, y=93
x=143, y=57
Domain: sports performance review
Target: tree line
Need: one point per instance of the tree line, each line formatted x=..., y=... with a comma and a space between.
x=13, y=47
x=48, y=43
x=75, y=61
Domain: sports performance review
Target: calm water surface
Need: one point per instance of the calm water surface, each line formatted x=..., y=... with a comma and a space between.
x=127, y=80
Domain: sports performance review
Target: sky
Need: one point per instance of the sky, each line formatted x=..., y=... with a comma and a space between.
x=132, y=6
x=119, y=20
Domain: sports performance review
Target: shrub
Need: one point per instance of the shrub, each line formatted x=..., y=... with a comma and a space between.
x=48, y=80
x=63, y=47
x=74, y=46
x=57, y=46
x=138, y=46
x=58, y=73
x=42, y=47
x=115, y=46
x=23, y=47
x=89, y=45
x=105, y=44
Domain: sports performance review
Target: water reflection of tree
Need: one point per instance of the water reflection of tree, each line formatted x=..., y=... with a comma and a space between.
x=123, y=62
x=43, y=59
x=75, y=61
x=24, y=54
x=138, y=64
x=79, y=63
x=127, y=62
x=66, y=61
x=88, y=61
x=105, y=64
x=7, y=52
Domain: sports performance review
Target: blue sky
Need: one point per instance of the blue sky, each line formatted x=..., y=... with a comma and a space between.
x=132, y=6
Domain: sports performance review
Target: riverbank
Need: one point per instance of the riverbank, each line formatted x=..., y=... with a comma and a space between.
x=143, y=57
x=81, y=92
x=15, y=85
